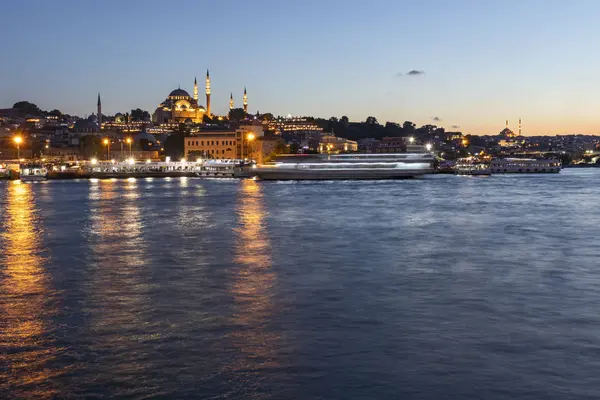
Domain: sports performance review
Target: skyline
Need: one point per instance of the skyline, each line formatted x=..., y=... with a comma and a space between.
x=481, y=63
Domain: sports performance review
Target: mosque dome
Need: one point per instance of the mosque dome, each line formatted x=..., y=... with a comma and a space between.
x=144, y=135
x=86, y=125
x=179, y=92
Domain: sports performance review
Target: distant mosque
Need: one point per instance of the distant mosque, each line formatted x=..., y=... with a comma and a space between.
x=180, y=107
x=508, y=134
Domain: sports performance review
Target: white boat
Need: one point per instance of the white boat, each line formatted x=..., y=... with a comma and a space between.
x=223, y=168
x=32, y=173
x=472, y=167
x=346, y=166
x=524, y=166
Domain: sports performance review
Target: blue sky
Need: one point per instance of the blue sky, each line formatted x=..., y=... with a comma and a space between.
x=483, y=61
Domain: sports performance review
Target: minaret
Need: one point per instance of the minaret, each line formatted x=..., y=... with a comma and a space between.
x=195, y=89
x=519, y=126
x=245, y=101
x=207, y=93
x=231, y=101
x=99, y=112
x=506, y=124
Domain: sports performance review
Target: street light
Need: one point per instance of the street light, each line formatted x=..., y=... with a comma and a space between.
x=128, y=141
x=18, y=140
x=428, y=146
x=250, y=138
x=411, y=140
x=107, y=144
x=93, y=161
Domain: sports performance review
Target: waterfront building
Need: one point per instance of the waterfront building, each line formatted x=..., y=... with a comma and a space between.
x=225, y=143
x=217, y=144
x=334, y=144
x=292, y=126
x=395, y=144
x=262, y=148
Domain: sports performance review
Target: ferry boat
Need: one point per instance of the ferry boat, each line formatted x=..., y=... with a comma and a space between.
x=525, y=166
x=33, y=172
x=224, y=168
x=472, y=167
x=346, y=166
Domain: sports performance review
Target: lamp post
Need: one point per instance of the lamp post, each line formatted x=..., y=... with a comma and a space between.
x=18, y=140
x=129, y=141
x=107, y=144
x=250, y=138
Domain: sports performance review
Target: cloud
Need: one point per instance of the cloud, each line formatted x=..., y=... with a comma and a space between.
x=412, y=72
x=436, y=118
x=455, y=126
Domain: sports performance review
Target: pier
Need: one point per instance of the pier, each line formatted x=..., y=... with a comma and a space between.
x=139, y=169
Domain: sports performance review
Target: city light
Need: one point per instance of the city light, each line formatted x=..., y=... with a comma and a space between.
x=167, y=159
x=250, y=136
x=148, y=161
x=428, y=146
x=93, y=161
x=411, y=140
x=105, y=141
x=18, y=140
x=183, y=159
x=130, y=161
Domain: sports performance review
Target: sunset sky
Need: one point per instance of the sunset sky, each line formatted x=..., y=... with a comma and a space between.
x=482, y=62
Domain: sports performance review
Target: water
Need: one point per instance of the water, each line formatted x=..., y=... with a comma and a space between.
x=439, y=288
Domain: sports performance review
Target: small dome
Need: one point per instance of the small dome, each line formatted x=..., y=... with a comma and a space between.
x=179, y=92
x=144, y=135
x=86, y=125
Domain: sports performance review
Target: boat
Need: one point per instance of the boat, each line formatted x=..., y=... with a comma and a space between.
x=525, y=166
x=33, y=172
x=472, y=166
x=224, y=168
x=345, y=166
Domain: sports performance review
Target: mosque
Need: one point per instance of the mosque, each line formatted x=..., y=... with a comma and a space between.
x=180, y=107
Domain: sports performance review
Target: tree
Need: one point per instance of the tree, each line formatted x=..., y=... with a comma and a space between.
x=237, y=114
x=345, y=121
x=140, y=115
x=371, y=121
x=566, y=158
x=280, y=148
x=408, y=128
x=27, y=108
x=174, y=145
x=55, y=113
x=91, y=147
x=267, y=117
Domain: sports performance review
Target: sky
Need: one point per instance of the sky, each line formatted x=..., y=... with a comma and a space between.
x=476, y=63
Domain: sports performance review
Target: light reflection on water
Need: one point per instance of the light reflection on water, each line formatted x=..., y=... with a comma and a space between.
x=252, y=289
x=434, y=288
x=26, y=300
x=117, y=289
